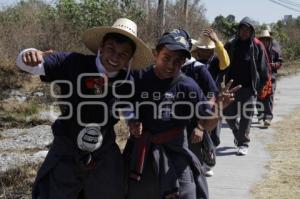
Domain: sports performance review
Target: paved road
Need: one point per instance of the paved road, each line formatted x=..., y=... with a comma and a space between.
x=235, y=175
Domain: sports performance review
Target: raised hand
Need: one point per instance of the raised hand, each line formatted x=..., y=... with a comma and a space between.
x=210, y=33
x=35, y=57
x=226, y=95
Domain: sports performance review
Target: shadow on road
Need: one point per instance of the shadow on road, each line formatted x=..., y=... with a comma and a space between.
x=225, y=151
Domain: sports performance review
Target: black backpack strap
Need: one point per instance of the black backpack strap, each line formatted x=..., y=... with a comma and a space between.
x=177, y=79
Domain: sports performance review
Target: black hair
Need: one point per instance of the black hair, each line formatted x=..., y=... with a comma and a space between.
x=159, y=47
x=119, y=38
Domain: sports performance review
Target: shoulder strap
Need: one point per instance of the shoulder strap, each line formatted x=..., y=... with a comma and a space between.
x=177, y=79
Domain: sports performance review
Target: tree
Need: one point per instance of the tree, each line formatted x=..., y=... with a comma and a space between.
x=185, y=11
x=225, y=25
x=161, y=19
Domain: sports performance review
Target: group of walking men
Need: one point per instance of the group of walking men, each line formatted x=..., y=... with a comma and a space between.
x=169, y=99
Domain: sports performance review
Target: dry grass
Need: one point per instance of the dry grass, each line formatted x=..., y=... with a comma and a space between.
x=14, y=114
x=20, y=115
x=11, y=78
x=17, y=183
x=283, y=179
x=29, y=151
x=289, y=68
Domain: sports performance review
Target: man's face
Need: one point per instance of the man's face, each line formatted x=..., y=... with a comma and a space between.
x=266, y=41
x=168, y=63
x=115, y=56
x=245, y=32
x=204, y=53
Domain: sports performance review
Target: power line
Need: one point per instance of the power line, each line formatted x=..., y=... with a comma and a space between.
x=281, y=4
x=290, y=3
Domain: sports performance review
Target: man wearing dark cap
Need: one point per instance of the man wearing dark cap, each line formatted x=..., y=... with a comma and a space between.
x=248, y=67
x=160, y=164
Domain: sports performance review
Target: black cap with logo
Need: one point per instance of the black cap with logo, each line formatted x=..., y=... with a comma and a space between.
x=176, y=40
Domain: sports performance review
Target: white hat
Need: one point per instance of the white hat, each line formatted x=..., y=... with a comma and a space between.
x=268, y=27
x=265, y=33
x=142, y=56
x=203, y=43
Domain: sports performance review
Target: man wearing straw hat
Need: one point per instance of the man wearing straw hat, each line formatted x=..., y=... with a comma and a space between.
x=265, y=115
x=84, y=161
x=206, y=68
x=210, y=51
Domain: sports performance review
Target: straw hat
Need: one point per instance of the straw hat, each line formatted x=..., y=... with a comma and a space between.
x=203, y=43
x=265, y=33
x=142, y=56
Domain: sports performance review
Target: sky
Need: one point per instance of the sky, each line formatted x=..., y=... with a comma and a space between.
x=263, y=11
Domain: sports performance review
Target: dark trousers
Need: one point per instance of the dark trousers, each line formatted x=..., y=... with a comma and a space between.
x=215, y=134
x=149, y=186
x=243, y=109
x=66, y=179
x=265, y=106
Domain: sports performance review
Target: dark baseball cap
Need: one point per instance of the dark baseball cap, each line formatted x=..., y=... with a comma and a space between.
x=175, y=40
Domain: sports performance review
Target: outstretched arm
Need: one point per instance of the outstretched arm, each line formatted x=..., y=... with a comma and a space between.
x=32, y=60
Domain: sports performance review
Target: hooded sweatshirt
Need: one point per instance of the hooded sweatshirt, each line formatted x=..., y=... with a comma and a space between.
x=248, y=61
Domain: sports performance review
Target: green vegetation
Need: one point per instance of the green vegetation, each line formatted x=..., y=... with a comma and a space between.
x=32, y=23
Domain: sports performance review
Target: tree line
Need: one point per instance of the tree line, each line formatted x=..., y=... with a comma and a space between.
x=33, y=23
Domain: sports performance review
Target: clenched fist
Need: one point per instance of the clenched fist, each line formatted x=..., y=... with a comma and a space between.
x=196, y=136
x=135, y=128
x=34, y=57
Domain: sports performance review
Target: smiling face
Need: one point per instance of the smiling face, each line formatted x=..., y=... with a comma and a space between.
x=168, y=63
x=115, y=55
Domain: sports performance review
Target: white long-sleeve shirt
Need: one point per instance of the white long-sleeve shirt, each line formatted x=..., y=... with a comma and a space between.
x=40, y=70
